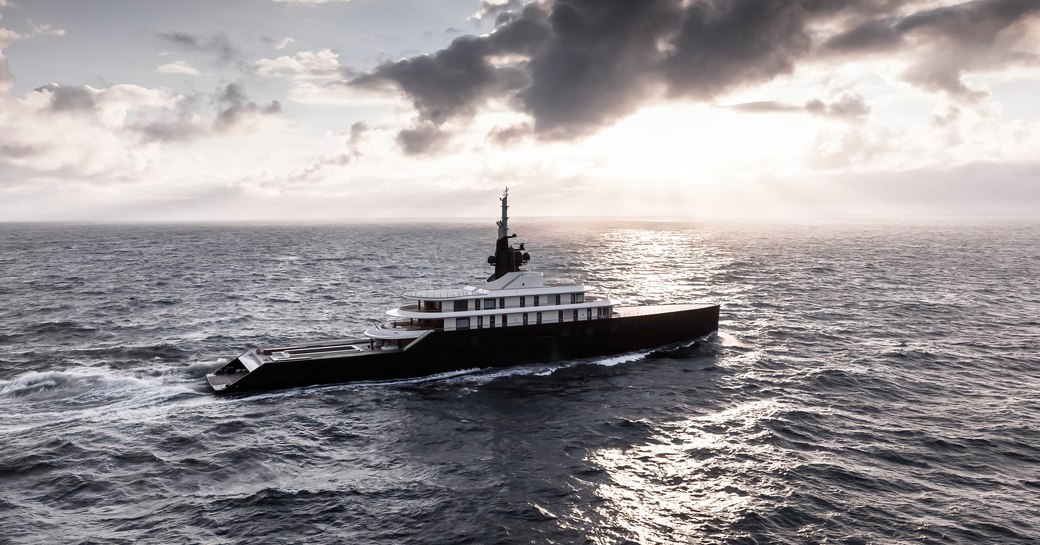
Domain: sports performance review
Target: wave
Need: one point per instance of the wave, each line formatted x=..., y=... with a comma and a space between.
x=70, y=383
x=58, y=329
x=42, y=398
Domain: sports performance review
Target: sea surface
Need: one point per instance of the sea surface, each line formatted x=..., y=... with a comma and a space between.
x=874, y=383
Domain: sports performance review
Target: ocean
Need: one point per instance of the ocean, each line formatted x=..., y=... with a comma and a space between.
x=869, y=383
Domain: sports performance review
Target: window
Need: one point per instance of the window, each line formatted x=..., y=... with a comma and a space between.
x=523, y=301
x=535, y=300
x=525, y=318
x=579, y=297
x=575, y=315
x=557, y=298
x=501, y=302
x=480, y=321
x=461, y=305
x=489, y=304
x=492, y=321
x=538, y=317
x=430, y=306
x=462, y=323
x=561, y=313
x=476, y=304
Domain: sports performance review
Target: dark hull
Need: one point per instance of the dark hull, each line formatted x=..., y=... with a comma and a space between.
x=445, y=351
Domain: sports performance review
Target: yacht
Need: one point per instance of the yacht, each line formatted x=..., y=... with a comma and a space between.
x=516, y=317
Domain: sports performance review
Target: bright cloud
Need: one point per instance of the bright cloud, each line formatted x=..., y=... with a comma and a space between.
x=178, y=67
x=305, y=65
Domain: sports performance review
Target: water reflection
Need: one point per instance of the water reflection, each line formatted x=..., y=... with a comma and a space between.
x=636, y=263
x=693, y=479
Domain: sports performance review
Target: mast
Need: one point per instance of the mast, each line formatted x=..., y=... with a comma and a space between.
x=503, y=224
x=506, y=259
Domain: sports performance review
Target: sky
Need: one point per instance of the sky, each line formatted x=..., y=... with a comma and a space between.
x=327, y=110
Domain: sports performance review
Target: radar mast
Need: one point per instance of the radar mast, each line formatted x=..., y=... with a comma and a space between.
x=506, y=259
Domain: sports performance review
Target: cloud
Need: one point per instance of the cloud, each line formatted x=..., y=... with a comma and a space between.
x=512, y=133
x=450, y=83
x=321, y=65
x=7, y=38
x=45, y=30
x=422, y=137
x=946, y=42
x=218, y=45
x=64, y=98
x=766, y=107
x=283, y=43
x=178, y=67
x=494, y=8
x=846, y=106
x=238, y=112
x=357, y=132
x=576, y=66
x=19, y=151
x=185, y=123
x=77, y=132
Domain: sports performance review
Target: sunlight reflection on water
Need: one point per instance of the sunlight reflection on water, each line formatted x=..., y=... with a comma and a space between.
x=691, y=475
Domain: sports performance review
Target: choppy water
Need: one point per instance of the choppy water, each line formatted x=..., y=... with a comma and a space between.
x=870, y=384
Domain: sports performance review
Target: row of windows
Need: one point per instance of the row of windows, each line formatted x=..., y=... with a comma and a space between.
x=527, y=318
x=492, y=303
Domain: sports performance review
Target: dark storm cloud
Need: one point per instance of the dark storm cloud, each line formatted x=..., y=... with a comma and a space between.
x=577, y=65
x=217, y=44
x=977, y=34
x=236, y=108
x=452, y=82
x=978, y=22
x=718, y=49
x=601, y=60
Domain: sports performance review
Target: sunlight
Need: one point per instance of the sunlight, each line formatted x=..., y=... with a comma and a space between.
x=691, y=475
x=698, y=144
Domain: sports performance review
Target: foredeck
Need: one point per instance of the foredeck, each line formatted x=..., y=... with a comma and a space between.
x=311, y=351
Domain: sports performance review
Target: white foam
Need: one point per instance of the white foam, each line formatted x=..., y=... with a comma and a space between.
x=44, y=398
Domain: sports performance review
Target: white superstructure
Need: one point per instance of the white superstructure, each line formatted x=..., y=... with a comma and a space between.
x=515, y=299
x=509, y=298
